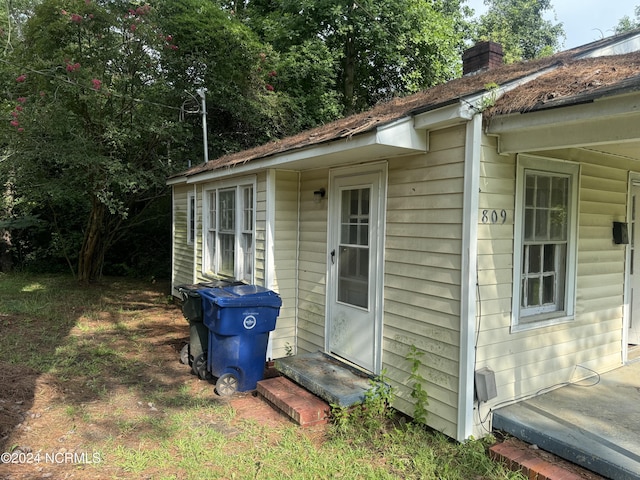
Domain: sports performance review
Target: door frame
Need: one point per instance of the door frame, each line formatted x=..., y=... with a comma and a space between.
x=634, y=181
x=380, y=168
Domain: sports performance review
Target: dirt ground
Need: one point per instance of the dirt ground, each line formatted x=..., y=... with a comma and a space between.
x=46, y=422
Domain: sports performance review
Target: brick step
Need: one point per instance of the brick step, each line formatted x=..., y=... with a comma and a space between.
x=299, y=404
x=536, y=464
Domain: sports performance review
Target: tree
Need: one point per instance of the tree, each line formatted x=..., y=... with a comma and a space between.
x=254, y=94
x=377, y=49
x=89, y=141
x=626, y=24
x=519, y=26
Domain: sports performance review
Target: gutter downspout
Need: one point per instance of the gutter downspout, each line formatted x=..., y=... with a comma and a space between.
x=469, y=276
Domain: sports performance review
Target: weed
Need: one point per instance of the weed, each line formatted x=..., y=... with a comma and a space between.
x=418, y=393
x=372, y=413
x=490, y=99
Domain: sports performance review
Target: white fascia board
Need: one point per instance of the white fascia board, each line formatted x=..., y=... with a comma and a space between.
x=606, y=108
x=443, y=117
x=402, y=134
x=398, y=137
x=627, y=45
x=177, y=180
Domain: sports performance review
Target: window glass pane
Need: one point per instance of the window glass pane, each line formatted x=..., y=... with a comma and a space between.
x=560, y=192
x=248, y=257
x=543, y=191
x=353, y=204
x=363, y=238
x=533, y=292
x=549, y=258
x=227, y=254
x=353, y=276
x=192, y=219
x=212, y=210
x=548, y=289
x=247, y=203
x=542, y=224
x=227, y=206
x=530, y=191
x=534, y=259
x=353, y=234
x=365, y=201
x=211, y=251
x=528, y=223
x=558, y=227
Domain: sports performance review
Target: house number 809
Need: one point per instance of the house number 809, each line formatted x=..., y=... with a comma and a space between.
x=494, y=216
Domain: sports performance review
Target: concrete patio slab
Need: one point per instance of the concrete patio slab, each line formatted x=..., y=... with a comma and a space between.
x=594, y=423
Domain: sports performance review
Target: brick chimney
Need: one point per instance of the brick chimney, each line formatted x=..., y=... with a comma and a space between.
x=482, y=56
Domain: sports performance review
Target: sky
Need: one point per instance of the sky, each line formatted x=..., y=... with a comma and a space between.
x=583, y=20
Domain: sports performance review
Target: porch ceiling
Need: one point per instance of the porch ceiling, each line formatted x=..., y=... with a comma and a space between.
x=627, y=150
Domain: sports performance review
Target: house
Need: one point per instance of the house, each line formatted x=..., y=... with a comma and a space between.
x=487, y=222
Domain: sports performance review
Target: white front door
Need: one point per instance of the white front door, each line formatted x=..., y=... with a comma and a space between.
x=356, y=243
x=634, y=268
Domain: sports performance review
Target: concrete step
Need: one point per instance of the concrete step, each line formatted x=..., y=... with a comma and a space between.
x=303, y=407
x=325, y=376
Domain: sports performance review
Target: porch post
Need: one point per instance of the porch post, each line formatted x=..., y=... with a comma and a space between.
x=469, y=277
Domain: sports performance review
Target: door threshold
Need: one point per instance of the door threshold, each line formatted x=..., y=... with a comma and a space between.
x=350, y=364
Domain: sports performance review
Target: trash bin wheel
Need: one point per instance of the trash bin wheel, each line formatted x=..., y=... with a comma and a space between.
x=199, y=367
x=184, y=355
x=227, y=385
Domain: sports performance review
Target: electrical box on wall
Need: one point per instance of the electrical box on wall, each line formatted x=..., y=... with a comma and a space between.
x=620, y=233
x=485, y=380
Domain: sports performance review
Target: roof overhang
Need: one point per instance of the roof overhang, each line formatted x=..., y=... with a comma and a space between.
x=598, y=122
x=397, y=138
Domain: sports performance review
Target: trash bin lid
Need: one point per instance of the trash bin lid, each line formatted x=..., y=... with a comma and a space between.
x=242, y=296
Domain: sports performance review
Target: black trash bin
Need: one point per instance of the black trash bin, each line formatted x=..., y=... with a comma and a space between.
x=195, y=352
x=239, y=319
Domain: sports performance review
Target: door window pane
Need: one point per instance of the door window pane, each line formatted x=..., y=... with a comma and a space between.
x=353, y=251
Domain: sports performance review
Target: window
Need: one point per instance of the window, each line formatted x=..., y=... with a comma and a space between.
x=191, y=218
x=545, y=239
x=230, y=232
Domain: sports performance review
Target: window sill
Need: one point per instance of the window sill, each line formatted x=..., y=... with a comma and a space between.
x=542, y=322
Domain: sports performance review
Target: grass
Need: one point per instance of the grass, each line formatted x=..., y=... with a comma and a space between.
x=95, y=370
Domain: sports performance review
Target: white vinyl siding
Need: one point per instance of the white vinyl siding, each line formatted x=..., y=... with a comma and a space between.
x=422, y=274
x=191, y=218
x=285, y=260
x=183, y=261
x=529, y=361
x=312, y=262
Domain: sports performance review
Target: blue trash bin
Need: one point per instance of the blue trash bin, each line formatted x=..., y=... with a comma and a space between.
x=194, y=353
x=239, y=319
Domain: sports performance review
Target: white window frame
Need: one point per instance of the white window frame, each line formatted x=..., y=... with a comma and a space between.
x=526, y=319
x=191, y=218
x=243, y=253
